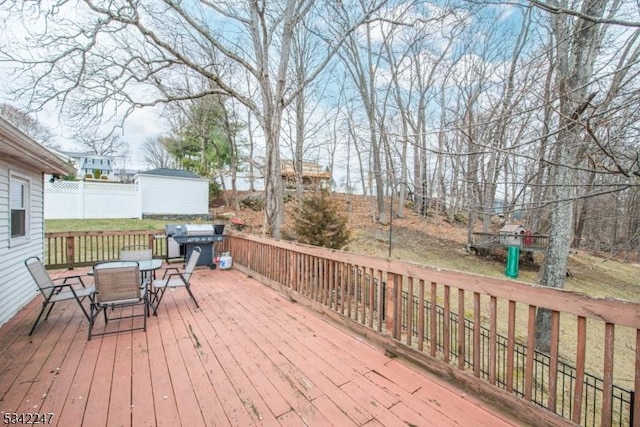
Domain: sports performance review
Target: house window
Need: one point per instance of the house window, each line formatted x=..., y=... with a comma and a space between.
x=18, y=201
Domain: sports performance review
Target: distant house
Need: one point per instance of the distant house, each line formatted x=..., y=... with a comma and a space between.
x=89, y=165
x=124, y=175
x=173, y=192
x=313, y=175
x=23, y=163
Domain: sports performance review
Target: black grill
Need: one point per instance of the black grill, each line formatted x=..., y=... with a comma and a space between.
x=183, y=238
x=198, y=239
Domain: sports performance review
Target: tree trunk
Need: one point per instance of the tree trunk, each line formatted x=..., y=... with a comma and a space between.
x=577, y=50
x=273, y=186
x=582, y=215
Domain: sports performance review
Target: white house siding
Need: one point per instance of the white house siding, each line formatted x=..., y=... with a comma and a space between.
x=16, y=285
x=162, y=195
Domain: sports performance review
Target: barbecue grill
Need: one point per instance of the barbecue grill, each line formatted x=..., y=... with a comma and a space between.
x=182, y=238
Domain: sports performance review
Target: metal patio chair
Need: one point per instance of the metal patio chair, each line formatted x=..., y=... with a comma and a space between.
x=176, y=279
x=136, y=253
x=118, y=285
x=55, y=290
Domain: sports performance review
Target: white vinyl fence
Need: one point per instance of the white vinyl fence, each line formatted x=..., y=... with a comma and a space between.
x=81, y=199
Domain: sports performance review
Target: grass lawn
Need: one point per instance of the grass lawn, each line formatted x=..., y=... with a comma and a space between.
x=61, y=225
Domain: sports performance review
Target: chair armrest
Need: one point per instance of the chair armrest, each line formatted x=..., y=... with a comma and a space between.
x=167, y=278
x=58, y=285
x=172, y=275
x=166, y=270
x=65, y=280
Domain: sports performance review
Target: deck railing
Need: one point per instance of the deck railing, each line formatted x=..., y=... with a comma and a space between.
x=499, y=334
x=499, y=321
x=622, y=399
x=81, y=248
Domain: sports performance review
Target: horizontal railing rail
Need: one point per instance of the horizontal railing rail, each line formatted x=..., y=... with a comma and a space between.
x=622, y=398
x=82, y=248
x=500, y=327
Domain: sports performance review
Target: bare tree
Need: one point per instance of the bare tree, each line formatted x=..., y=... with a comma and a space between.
x=28, y=125
x=156, y=154
x=578, y=42
x=109, y=145
x=110, y=58
x=363, y=65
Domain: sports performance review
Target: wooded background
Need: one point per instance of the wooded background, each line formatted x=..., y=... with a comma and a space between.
x=524, y=108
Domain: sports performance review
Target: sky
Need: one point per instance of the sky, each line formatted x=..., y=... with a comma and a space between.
x=142, y=124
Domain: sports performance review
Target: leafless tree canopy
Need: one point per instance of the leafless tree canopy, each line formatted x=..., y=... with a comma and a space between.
x=27, y=124
x=156, y=154
x=474, y=107
x=101, y=59
x=109, y=145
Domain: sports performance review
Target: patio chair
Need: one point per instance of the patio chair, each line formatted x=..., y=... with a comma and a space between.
x=176, y=279
x=55, y=290
x=136, y=253
x=117, y=285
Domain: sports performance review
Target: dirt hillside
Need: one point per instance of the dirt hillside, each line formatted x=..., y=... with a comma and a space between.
x=437, y=242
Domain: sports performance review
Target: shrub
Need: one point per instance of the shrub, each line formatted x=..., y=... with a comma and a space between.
x=97, y=173
x=317, y=222
x=460, y=217
x=253, y=201
x=215, y=192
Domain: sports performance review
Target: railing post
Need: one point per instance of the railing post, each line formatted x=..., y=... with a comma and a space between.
x=390, y=309
x=70, y=250
x=152, y=243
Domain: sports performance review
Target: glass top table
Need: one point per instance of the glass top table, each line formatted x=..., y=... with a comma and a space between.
x=145, y=265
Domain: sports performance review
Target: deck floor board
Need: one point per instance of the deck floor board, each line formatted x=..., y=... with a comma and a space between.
x=247, y=356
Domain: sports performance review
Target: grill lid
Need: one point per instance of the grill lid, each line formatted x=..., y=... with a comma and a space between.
x=199, y=229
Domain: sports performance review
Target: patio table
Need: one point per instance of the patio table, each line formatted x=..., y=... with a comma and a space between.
x=147, y=267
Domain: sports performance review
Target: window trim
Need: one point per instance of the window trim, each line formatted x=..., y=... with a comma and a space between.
x=26, y=182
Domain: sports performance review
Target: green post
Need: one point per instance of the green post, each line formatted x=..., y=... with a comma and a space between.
x=513, y=258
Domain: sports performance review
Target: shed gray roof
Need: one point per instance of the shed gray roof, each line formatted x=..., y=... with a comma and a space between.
x=175, y=173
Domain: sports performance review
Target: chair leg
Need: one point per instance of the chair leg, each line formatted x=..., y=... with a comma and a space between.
x=146, y=312
x=49, y=312
x=192, y=296
x=33, y=328
x=91, y=319
x=82, y=307
x=150, y=299
x=159, y=294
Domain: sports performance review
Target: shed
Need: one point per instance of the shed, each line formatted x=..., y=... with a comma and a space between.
x=23, y=163
x=511, y=234
x=172, y=193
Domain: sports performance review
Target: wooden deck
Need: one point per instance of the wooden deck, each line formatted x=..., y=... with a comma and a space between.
x=249, y=356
